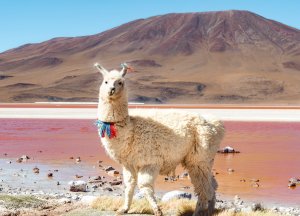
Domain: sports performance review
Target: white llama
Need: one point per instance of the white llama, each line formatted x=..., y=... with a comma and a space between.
x=153, y=142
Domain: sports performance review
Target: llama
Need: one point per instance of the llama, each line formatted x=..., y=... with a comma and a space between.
x=152, y=142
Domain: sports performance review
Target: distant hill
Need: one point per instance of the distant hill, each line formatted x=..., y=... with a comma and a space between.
x=211, y=57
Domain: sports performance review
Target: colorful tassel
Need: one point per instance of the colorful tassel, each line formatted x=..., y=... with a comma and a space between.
x=106, y=127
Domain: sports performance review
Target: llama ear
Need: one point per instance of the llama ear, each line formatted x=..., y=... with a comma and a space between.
x=101, y=69
x=124, y=69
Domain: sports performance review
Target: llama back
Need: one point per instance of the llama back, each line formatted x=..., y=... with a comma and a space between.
x=210, y=134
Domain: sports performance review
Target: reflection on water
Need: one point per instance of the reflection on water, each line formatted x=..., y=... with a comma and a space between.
x=269, y=153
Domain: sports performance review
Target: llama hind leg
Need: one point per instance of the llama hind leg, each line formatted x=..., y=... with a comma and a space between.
x=146, y=178
x=204, y=185
x=129, y=178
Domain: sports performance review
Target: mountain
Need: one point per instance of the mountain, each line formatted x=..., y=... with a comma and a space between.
x=208, y=57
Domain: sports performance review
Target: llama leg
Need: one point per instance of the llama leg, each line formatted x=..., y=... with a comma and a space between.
x=146, y=178
x=129, y=178
x=204, y=185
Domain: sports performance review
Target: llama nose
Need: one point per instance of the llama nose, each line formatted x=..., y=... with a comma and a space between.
x=112, y=91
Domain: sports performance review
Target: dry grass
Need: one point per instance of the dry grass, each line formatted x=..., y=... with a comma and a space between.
x=178, y=207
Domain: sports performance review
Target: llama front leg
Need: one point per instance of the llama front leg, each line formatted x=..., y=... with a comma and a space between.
x=130, y=180
x=205, y=185
x=146, y=178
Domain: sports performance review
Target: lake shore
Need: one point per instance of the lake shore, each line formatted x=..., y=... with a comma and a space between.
x=48, y=134
x=89, y=111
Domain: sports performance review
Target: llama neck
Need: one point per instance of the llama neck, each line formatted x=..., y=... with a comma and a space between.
x=113, y=110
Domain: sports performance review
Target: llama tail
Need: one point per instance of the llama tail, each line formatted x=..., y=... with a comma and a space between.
x=210, y=134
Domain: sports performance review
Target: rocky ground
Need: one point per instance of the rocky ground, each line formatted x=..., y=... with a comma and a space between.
x=34, y=190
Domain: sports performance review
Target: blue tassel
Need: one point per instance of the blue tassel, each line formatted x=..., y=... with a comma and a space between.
x=105, y=127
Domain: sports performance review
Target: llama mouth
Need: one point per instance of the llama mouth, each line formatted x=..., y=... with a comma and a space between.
x=111, y=93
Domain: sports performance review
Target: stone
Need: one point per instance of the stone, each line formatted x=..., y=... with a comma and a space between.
x=294, y=180
x=113, y=173
x=254, y=180
x=109, y=168
x=36, y=170
x=108, y=189
x=176, y=194
x=292, y=185
x=257, y=207
x=95, y=179
x=78, y=186
x=184, y=175
x=78, y=176
x=230, y=170
x=25, y=157
x=78, y=160
x=19, y=160
x=114, y=183
x=255, y=185
x=139, y=195
x=227, y=150
x=50, y=175
x=237, y=200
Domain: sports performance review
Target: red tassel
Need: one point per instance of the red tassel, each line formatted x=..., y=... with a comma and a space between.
x=113, y=130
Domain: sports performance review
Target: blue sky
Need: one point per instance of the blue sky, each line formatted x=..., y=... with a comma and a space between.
x=32, y=21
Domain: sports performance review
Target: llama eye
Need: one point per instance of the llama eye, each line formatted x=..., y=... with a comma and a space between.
x=105, y=82
x=120, y=83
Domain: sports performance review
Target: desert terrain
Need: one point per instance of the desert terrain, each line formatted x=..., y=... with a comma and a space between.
x=223, y=57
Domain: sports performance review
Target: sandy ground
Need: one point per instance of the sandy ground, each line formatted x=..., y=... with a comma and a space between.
x=88, y=111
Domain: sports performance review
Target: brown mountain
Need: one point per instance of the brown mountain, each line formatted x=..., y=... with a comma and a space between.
x=211, y=57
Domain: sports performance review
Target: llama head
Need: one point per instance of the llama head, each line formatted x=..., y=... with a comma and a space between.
x=113, y=84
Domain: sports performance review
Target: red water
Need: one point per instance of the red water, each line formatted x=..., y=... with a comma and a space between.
x=270, y=152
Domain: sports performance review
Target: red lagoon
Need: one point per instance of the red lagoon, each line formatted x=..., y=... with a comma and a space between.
x=269, y=154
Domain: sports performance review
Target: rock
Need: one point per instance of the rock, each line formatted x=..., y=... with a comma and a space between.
x=25, y=157
x=294, y=180
x=139, y=195
x=95, y=179
x=254, y=180
x=292, y=185
x=227, y=150
x=58, y=183
x=36, y=170
x=113, y=173
x=19, y=160
x=109, y=168
x=114, y=183
x=78, y=160
x=176, y=194
x=242, y=180
x=255, y=185
x=237, y=200
x=71, y=158
x=100, y=161
x=50, y=175
x=184, y=175
x=230, y=170
x=108, y=189
x=78, y=186
x=78, y=176
x=88, y=200
x=257, y=207
x=9, y=162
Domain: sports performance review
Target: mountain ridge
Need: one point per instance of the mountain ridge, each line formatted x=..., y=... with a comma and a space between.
x=234, y=46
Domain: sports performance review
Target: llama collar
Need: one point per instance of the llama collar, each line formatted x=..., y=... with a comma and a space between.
x=107, y=128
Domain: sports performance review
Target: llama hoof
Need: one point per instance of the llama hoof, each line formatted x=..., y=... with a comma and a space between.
x=121, y=211
x=158, y=212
